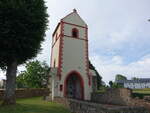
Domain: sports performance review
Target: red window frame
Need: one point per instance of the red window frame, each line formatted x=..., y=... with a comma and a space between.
x=61, y=87
x=75, y=33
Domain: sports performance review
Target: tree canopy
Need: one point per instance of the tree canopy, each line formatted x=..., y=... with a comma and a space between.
x=22, y=29
x=35, y=76
x=115, y=85
x=23, y=24
x=120, y=77
x=134, y=78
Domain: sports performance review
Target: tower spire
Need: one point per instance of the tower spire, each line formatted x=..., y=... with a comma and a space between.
x=74, y=10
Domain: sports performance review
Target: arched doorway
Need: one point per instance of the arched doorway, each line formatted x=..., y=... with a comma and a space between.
x=74, y=86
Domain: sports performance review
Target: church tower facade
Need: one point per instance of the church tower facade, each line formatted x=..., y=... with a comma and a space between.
x=69, y=56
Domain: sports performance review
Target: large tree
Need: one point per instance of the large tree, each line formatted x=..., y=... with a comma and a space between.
x=22, y=29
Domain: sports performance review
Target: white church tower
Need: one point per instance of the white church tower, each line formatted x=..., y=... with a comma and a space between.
x=69, y=59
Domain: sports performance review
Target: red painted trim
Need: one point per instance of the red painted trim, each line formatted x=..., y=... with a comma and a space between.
x=67, y=15
x=56, y=40
x=75, y=38
x=55, y=29
x=51, y=51
x=74, y=25
x=61, y=87
x=61, y=51
x=76, y=31
x=81, y=82
x=56, y=36
x=87, y=58
x=60, y=57
x=71, y=23
x=86, y=50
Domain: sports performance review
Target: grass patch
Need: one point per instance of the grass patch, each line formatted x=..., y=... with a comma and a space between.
x=34, y=105
x=141, y=93
x=145, y=91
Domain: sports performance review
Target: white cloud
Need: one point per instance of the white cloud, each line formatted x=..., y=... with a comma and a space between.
x=113, y=25
x=109, y=67
x=2, y=75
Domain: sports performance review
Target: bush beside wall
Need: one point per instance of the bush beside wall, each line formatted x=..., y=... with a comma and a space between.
x=140, y=95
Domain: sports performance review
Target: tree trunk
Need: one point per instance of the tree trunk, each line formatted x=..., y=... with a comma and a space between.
x=9, y=97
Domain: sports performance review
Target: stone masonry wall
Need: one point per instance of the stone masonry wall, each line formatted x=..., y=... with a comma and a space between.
x=77, y=106
x=27, y=93
x=63, y=101
x=119, y=96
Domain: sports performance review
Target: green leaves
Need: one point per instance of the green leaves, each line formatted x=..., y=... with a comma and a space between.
x=23, y=25
x=120, y=77
x=35, y=76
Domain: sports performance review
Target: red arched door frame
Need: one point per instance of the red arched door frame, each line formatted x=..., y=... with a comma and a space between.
x=81, y=83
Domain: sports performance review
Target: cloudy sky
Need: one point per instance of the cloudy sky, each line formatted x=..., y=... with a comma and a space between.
x=119, y=34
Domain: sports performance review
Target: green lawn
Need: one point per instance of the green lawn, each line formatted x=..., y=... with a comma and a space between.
x=143, y=91
x=34, y=105
x=140, y=93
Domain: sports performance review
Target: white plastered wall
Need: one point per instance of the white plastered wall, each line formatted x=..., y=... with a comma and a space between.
x=55, y=51
x=74, y=59
x=74, y=54
x=55, y=58
x=68, y=31
x=74, y=18
x=55, y=87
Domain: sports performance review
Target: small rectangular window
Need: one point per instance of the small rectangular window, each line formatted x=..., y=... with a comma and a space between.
x=75, y=33
x=61, y=87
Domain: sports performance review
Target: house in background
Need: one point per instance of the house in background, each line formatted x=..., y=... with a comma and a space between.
x=140, y=83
